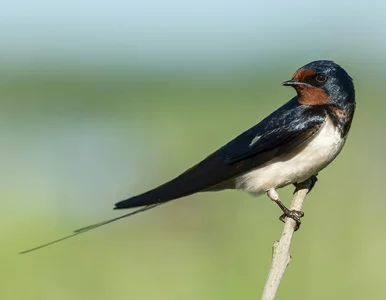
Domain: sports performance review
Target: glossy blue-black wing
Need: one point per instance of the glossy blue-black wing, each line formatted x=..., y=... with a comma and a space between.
x=280, y=132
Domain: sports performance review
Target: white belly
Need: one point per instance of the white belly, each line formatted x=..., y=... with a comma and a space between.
x=295, y=167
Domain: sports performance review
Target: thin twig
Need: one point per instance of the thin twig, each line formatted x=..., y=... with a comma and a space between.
x=280, y=251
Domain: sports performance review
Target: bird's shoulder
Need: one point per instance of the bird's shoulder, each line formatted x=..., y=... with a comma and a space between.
x=289, y=124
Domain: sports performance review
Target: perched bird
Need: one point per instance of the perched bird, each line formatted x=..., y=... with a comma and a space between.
x=289, y=146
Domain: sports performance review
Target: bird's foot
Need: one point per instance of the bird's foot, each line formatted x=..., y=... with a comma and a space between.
x=294, y=215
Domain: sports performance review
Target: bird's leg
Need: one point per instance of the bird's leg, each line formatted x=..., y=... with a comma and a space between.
x=313, y=179
x=293, y=214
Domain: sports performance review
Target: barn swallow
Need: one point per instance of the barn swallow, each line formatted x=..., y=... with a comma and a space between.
x=289, y=146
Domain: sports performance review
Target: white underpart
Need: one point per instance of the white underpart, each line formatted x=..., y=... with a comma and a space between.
x=295, y=167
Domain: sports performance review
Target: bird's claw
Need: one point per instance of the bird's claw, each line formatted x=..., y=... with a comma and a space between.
x=294, y=215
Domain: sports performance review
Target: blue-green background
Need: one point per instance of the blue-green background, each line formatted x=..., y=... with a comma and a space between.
x=101, y=100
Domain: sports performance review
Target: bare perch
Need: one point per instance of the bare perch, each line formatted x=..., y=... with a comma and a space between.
x=280, y=253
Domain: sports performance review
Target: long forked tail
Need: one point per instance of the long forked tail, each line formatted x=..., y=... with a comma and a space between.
x=91, y=227
x=196, y=179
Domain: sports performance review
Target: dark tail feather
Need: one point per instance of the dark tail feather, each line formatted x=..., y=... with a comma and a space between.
x=87, y=228
x=204, y=175
x=152, y=198
x=171, y=190
x=145, y=199
x=90, y=227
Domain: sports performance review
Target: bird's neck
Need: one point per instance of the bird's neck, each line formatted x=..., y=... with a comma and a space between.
x=341, y=115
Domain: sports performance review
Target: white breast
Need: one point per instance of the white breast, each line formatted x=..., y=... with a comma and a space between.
x=297, y=166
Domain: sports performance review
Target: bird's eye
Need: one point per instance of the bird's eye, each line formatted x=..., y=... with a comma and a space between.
x=321, y=78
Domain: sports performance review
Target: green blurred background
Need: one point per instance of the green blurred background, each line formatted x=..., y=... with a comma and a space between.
x=101, y=100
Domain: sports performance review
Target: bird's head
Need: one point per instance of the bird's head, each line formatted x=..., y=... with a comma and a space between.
x=322, y=82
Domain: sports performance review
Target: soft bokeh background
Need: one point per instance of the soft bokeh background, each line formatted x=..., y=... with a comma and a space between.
x=101, y=100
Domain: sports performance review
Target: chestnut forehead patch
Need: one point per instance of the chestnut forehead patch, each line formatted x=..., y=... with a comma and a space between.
x=302, y=74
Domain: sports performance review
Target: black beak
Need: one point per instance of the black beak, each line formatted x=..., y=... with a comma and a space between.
x=293, y=83
x=290, y=83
